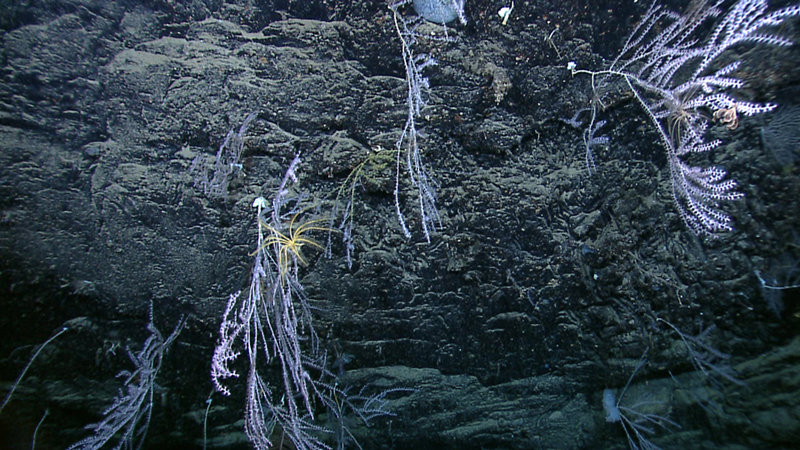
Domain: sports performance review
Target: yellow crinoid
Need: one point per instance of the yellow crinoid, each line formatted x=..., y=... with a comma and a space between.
x=287, y=245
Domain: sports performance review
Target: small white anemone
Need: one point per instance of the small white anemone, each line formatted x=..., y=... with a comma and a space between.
x=505, y=12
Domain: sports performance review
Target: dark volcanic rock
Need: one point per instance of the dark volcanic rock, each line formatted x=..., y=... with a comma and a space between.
x=540, y=289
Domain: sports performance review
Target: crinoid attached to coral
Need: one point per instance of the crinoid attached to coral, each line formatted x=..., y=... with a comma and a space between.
x=288, y=245
x=682, y=115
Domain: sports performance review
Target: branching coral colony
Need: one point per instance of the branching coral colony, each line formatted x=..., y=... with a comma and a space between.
x=408, y=155
x=271, y=322
x=417, y=84
x=128, y=417
x=673, y=72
